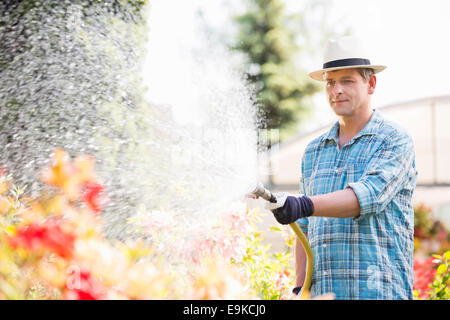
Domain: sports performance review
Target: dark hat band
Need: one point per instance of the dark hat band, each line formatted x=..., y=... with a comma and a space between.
x=346, y=63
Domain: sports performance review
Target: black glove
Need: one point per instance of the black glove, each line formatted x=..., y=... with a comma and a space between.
x=293, y=209
x=296, y=290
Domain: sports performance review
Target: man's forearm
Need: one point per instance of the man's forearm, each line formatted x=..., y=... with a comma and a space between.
x=300, y=264
x=338, y=204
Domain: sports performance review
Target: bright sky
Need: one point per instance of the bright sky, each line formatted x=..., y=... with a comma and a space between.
x=409, y=36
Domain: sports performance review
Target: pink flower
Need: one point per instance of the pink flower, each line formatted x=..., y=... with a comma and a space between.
x=226, y=240
x=92, y=196
x=282, y=281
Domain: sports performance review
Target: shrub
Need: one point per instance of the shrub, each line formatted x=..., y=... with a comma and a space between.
x=430, y=234
x=441, y=282
x=52, y=247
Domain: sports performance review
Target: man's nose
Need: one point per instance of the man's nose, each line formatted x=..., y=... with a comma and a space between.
x=337, y=89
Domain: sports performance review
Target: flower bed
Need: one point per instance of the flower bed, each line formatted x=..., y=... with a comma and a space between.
x=432, y=277
x=431, y=255
x=52, y=247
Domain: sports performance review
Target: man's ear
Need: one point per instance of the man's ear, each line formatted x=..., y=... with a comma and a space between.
x=372, y=84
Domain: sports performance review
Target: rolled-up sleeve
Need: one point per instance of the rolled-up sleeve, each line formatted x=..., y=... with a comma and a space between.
x=387, y=172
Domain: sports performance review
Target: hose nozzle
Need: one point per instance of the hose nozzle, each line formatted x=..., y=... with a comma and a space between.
x=262, y=192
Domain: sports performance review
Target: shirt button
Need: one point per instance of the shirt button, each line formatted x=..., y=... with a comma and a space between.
x=324, y=245
x=336, y=170
x=325, y=273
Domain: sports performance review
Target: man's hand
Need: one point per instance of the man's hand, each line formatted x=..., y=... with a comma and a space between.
x=281, y=199
x=290, y=208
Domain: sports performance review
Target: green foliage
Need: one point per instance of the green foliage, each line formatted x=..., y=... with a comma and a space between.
x=117, y=6
x=71, y=72
x=428, y=228
x=441, y=282
x=270, y=275
x=423, y=223
x=113, y=5
x=267, y=36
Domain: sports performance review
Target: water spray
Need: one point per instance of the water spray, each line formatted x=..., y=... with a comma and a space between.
x=261, y=191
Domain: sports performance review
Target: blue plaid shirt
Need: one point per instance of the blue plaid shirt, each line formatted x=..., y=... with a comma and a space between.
x=370, y=256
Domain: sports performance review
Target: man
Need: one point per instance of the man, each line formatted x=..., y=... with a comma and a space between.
x=357, y=182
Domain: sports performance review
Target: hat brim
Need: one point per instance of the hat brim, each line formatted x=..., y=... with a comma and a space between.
x=318, y=75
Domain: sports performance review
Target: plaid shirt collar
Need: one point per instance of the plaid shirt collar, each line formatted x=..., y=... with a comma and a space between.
x=370, y=129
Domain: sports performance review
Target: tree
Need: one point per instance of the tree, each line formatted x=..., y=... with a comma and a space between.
x=267, y=36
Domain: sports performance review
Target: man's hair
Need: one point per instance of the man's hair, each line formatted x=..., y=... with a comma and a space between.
x=365, y=73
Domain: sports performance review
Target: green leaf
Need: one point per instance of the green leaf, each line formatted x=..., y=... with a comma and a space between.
x=447, y=255
x=441, y=269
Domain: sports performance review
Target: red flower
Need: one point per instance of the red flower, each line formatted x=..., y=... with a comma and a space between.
x=92, y=196
x=48, y=235
x=84, y=287
x=424, y=272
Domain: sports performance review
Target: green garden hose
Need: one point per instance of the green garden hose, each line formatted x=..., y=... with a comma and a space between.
x=261, y=191
x=309, y=255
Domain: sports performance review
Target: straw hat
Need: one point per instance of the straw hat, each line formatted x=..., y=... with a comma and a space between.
x=343, y=53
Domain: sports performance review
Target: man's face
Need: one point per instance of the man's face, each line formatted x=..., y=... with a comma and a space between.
x=348, y=92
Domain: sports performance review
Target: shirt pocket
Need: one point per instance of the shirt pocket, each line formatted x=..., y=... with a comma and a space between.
x=320, y=181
